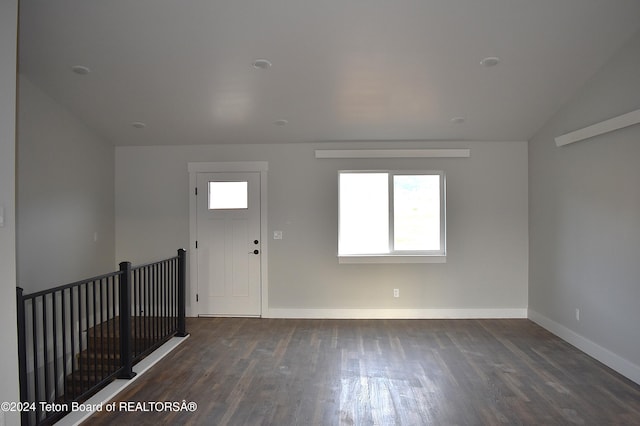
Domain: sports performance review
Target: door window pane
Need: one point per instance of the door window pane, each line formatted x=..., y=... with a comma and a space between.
x=228, y=195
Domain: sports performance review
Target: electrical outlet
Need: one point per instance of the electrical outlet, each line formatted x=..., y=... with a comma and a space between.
x=396, y=292
x=277, y=235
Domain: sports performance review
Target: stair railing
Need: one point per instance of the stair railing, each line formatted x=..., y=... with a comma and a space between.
x=76, y=338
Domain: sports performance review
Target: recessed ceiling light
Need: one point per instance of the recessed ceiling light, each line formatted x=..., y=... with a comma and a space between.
x=138, y=124
x=80, y=69
x=281, y=122
x=261, y=64
x=457, y=120
x=490, y=61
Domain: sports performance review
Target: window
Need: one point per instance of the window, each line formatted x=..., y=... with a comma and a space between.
x=228, y=195
x=391, y=214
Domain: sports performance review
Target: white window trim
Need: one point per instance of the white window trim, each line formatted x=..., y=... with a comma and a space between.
x=390, y=258
x=403, y=256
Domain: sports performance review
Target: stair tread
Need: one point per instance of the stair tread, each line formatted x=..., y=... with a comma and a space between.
x=111, y=328
x=101, y=358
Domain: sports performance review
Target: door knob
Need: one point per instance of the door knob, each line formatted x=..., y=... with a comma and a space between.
x=255, y=252
x=255, y=241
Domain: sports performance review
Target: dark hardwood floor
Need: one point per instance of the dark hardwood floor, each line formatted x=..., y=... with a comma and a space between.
x=378, y=372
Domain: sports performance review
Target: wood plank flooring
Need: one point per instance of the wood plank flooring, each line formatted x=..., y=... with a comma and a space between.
x=244, y=371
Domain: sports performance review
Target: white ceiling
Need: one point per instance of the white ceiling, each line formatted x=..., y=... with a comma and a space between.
x=342, y=69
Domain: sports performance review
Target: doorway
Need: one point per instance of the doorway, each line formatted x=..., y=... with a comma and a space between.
x=229, y=255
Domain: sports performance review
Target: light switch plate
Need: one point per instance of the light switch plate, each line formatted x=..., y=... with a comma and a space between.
x=277, y=235
x=1, y=217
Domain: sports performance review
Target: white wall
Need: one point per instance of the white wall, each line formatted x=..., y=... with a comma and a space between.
x=65, y=195
x=585, y=220
x=486, y=269
x=9, y=348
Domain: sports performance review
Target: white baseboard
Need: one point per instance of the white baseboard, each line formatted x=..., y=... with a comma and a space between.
x=605, y=356
x=396, y=313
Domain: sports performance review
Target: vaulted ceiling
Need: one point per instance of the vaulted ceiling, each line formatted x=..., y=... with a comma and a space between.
x=337, y=69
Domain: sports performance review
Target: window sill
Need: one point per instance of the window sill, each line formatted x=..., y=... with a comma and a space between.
x=348, y=259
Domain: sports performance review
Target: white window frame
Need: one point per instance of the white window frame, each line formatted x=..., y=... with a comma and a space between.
x=400, y=256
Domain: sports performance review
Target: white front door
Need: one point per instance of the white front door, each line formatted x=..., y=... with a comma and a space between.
x=228, y=243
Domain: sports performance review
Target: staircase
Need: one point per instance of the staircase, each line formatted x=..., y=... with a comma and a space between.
x=101, y=358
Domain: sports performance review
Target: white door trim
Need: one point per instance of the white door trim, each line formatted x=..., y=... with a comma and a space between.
x=235, y=166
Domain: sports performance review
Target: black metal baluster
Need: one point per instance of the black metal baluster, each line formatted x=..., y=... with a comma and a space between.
x=22, y=353
x=141, y=308
x=87, y=312
x=160, y=300
x=55, y=345
x=147, y=325
x=151, y=279
x=163, y=300
x=138, y=308
x=156, y=321
x=64, y=345
x=36, y=387
x=171, y=289
x=91, y=348
x=144, y=311
x=78, y=381
x=182, y=279
x=45, y=355
x=163, y=303
x=103, y=344
x=73, y=345
x=134, y=312
x=149, y=297
x=111, y=323
x=107, y=322
x=105, y=328
x=175, y=292
x=101, y=323
x=125, y=322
